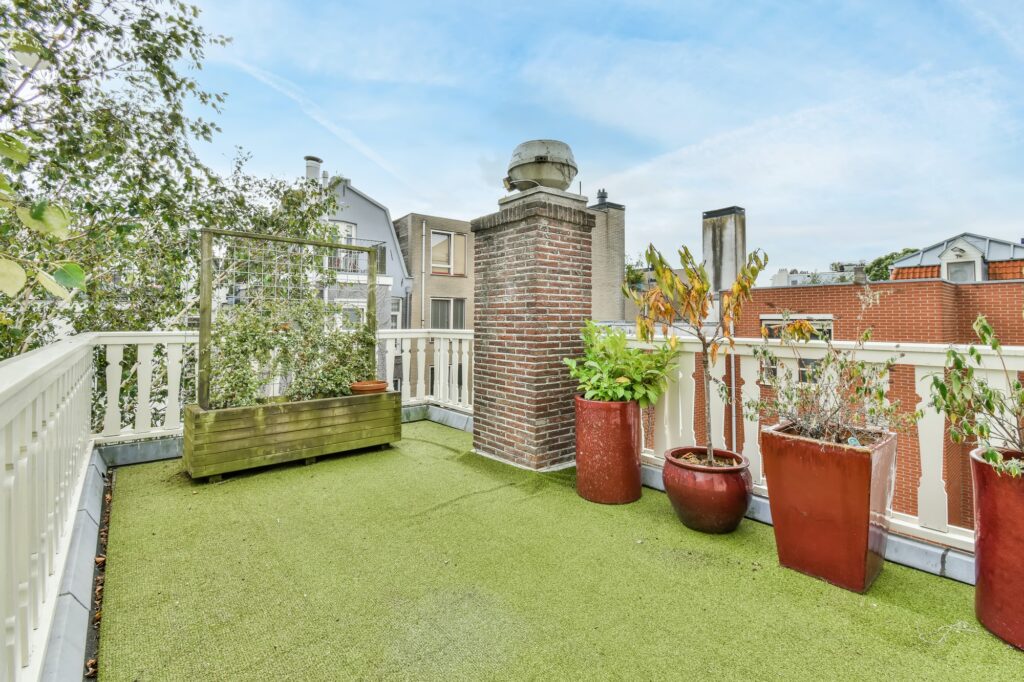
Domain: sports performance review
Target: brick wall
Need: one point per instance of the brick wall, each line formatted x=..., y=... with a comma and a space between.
x=532, y=296
x=924, y=311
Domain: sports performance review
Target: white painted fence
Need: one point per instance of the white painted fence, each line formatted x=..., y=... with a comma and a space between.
x=674, y=420
x=430, y=366
x=46, y=440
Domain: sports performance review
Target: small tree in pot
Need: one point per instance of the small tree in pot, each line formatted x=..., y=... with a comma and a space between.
x=709, y=488
x=615, y=381
x=830, y=457
x=993, y=417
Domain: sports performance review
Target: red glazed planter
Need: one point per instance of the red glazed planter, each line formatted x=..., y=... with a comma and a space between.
x=708, y=499
x=607, y=451
x=828, y=505
x=998, y=551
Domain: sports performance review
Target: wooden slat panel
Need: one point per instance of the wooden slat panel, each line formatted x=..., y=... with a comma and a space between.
x=288, y=417
x=211, y=434
x=257, y=438
x=252, y=463
x=287, y=431
x=258, y=412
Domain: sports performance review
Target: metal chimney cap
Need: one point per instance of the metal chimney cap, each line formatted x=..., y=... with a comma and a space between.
x=541, y=163
x=731, y=210
x=313, y=158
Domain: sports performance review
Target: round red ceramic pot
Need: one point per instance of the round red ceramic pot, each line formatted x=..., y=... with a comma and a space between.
x=998, y=551
x=608, y=451
x=708, y=499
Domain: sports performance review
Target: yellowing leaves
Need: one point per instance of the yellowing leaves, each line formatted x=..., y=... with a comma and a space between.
x=50, y=284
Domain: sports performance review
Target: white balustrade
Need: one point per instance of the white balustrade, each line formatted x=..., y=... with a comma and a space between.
x=45, y=444
x=674, y=419
x=430, y=366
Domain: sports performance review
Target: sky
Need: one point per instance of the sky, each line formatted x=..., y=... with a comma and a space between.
x=846, y=129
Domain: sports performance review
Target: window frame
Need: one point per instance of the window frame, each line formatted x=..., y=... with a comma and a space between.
x=451, y=312
x=449, y=269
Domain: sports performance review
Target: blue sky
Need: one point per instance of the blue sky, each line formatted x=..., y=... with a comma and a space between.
x=846, y=129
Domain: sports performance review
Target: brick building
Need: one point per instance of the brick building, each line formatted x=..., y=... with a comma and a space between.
x=934, y=297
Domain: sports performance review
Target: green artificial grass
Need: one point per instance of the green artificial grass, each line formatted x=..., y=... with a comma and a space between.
x=427, y=562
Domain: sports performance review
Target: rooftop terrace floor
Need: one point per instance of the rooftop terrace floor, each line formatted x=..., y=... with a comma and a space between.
x=427, y=562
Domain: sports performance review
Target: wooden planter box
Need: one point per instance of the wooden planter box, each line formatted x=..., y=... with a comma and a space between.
x=237, y=438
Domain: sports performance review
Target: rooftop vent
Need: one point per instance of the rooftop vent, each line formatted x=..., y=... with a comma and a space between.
x=541, y=163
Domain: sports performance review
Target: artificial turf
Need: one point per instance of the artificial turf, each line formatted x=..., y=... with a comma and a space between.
x=425, y=561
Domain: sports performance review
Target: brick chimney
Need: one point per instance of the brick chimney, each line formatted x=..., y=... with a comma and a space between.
x=725, y=245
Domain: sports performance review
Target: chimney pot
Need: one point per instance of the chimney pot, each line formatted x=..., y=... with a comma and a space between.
x=602, y=195
x=313, y=167
x=725, y=245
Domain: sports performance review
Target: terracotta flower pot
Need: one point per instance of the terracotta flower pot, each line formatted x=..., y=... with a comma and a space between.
x=828, y=505
x=708, y=499
x=362, y=387
x=607, y=451
x=998, y=551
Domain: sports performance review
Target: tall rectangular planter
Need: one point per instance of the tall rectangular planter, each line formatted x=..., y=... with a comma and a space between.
x=829, y=504
x=232, y=439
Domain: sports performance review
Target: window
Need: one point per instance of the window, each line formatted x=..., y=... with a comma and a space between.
x=447, y=253
x=963, y=271
x=773, y=324
x=447, y=313
x=351, y=315
x=807, y=370
x=382, y=259
x=396, y=313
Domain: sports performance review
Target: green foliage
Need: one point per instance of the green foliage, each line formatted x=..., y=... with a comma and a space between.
x=687, y=296
x=610, y=370
x=635, y=268
x=878, y=269
x=977, y=410
x=833, y=398
x=298, y=343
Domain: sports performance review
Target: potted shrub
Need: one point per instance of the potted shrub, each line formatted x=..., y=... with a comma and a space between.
x=830, y=456
x=994, y=419
x=615, y=381
x=709, y=488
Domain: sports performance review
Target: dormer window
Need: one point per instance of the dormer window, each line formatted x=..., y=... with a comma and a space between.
x=962, y=262
x=961, y=271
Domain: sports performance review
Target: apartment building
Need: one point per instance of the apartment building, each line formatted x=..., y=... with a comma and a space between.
x=438, y=252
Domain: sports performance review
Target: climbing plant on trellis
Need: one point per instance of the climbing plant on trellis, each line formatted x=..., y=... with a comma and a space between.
x=282, y=318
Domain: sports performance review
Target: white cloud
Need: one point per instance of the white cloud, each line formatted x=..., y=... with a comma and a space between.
x=902, y=163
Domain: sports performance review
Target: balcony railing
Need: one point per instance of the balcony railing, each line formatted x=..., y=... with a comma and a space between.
x=58, y=401
x=430, y=366
x=920, y=506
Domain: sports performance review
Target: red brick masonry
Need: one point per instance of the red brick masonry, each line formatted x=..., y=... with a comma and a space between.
x=532, y=296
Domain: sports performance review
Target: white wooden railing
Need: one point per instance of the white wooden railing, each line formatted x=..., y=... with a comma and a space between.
x=45, y=448
x=49, y=405
x=430, y=366
x=674, y=421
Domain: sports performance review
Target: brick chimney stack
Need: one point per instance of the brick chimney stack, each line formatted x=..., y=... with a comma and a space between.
x=725, y=245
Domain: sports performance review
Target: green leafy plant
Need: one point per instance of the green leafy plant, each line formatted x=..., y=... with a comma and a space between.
x=299, y=344
x=610, y=370
x=838, y=398
x=687, y=298
x=992, y=416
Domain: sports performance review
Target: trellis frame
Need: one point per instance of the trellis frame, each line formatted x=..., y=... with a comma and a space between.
x=206, y=291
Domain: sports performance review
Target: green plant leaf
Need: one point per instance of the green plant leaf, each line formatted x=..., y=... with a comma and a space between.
x=12, y=277
x=50, y=284
x=70, y=275
x=46, y=218
x=13, y=148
